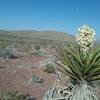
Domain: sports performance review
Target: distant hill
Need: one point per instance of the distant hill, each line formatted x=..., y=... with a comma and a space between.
x=46, y=35
x=27, y=40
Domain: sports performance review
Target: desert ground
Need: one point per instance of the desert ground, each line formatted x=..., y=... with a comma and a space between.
x=16, y=75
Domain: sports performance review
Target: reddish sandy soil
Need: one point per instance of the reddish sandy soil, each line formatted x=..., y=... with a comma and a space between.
x=16, y=75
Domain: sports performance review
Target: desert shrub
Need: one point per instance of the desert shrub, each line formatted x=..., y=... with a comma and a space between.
x=53, y=46
x=37, y=47
x=14, y=96
x=40, y=52
x=36, y=79
x=8, y=52
x=36, y=53
x=49, y=68
x=3, y=44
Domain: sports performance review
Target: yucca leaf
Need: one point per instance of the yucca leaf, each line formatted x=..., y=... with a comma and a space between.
x=94, y=79
x=65, y=71
x=75, y=55
x=93, y=56
x=93, y=74
x=67, y=61
x=94, y=61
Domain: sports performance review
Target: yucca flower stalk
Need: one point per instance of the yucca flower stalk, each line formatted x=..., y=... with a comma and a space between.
x=85, y=38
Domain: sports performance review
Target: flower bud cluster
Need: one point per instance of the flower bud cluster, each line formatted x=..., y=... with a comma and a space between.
x=85, y=38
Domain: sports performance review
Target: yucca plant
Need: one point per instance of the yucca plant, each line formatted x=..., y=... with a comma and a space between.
x=82, y=64
x=78, y=66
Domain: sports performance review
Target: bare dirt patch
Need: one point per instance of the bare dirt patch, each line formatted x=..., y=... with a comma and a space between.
x=16, y=75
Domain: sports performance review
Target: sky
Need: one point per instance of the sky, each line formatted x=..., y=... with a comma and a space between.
x=60, y=15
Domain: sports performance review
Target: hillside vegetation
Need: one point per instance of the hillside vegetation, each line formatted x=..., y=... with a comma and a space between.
x=28, y=39
x=47, y=35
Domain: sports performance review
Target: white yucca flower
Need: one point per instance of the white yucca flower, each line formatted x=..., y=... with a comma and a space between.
x=85, y=38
